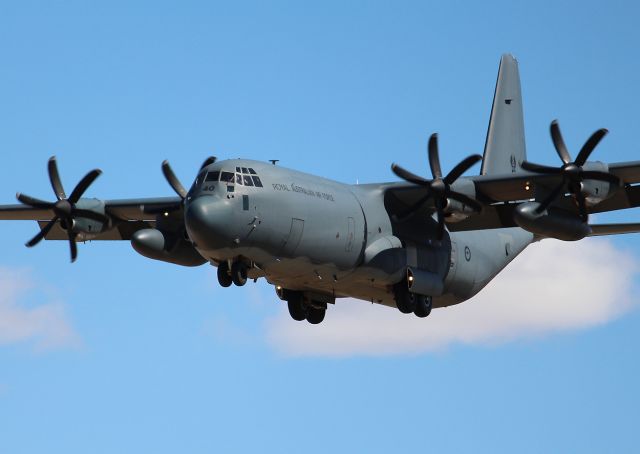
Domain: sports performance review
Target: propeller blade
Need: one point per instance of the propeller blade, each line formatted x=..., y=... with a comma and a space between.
x=99, y=217
x=54, y=178
x=538, y=168
x=552, y=196
x=558, y=142
x=465, y=199
x=173, y=180
x=602, y=176
x=42, y=233
x=33, y=202
x=461, y=168
x=210, y=160
x=408, y=176
x=590, y=145
x=434, y=159
x=81, y=187
x=72, y=245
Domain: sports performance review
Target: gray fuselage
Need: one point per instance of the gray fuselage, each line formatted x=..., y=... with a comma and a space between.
x=308, y=233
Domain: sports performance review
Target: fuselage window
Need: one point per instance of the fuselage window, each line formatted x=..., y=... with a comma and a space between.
x=213, y=176
x=238, y=178
x=247, y=180
x=256, y=181
x=229, y=177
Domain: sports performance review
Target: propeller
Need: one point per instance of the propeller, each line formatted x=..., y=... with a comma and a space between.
x=439, y=188
x=571, y=172
x=64, y=208
x=173, y=181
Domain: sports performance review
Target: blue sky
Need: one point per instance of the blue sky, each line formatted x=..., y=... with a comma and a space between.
x=118, y=353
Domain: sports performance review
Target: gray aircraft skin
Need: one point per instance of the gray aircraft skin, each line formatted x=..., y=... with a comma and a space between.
x=415, y=245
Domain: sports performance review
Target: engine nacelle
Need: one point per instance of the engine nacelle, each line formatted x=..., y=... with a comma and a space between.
x=558, y=224
x=84, y=228
x=158, y=245
x=595, y=191
x=456, y=211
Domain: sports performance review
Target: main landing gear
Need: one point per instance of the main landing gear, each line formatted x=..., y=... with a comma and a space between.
x=236, y=274
x=302, y=309
x=408, y=302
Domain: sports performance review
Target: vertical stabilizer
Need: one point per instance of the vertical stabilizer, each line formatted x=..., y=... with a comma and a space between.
x=504, y=149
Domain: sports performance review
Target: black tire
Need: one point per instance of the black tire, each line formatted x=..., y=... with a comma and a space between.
x=423, y=306
x=239, y=273
x=224, y=279
x=315, y=316
x=405, y=300
x=297, y=308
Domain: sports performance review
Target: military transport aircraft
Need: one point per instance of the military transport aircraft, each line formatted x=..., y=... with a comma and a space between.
x=416, y=245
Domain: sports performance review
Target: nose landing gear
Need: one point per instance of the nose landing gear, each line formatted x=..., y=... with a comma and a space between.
x=237, y=274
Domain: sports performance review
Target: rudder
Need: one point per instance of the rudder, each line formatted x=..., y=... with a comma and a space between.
x=505, y=149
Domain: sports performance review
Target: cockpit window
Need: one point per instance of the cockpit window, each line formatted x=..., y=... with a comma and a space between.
x=229, y=177
x=213, y=176
x=244, y=170
x=251, y=171
x=199, y=179
x=238, y=178
x=237, y=169
x=256, y=181
x=247, y=180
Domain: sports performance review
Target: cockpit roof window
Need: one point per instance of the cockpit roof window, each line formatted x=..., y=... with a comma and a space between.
x=238, y=169
x=227, y=176
x=244, y=170
x=251, y=171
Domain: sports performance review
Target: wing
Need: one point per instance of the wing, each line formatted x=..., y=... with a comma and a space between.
x=499, y=195
x=126, y=215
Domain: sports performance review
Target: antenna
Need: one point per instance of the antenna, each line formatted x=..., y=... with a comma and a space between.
x=273, y=161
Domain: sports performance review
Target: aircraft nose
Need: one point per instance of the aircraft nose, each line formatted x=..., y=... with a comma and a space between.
x=204, y=220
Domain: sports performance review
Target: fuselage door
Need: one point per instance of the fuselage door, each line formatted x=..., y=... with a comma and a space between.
x=294, y=237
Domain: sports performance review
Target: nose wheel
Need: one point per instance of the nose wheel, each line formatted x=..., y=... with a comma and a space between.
x=237, y=274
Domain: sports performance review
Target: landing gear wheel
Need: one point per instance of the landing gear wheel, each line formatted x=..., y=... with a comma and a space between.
x=405, y=300
x=239, y=273
x=224, y=279
x=297, y=308
x=423, y=306
x=315, y=316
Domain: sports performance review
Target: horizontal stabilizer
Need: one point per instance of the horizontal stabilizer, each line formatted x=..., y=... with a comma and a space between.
x=614, y=229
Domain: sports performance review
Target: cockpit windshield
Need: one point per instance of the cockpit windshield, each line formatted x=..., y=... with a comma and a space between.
x=227, y=176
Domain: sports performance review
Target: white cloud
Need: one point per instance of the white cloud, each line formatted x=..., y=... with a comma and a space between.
x=553, y=286
x=45, y=325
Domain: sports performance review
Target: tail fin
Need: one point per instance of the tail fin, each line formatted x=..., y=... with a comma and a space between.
x=504, y=149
